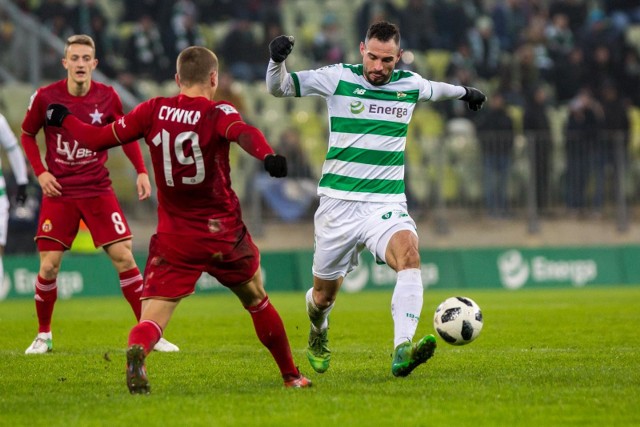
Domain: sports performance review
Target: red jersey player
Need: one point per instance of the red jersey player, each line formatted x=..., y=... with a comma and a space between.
x=200, y=227
x=76, y=186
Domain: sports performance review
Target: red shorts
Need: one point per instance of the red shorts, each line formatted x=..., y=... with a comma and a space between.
x=176, y=262
x=60, y=219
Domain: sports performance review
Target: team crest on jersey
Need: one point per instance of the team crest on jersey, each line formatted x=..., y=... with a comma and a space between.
x=96, y=116
x=357, y=107
x=401, y=95
x=47, y=226
x=227, y=109
x=213, y=225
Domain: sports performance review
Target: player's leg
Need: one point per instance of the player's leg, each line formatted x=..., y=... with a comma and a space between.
x=57, y=227
x=143, y=338
x=4, y=228
x=320, y=300
x=270, y=329
x=46, y=294
x=403, y=256
x=337, y=226
x=110, y=230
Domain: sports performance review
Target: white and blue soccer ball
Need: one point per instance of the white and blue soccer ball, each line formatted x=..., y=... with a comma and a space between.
x=458, y=320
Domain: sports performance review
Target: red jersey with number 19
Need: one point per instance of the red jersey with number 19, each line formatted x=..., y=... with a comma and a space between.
x=190, y=154
x=81, y=172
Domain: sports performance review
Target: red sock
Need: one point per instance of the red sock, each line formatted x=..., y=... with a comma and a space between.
x=272, y=335
x=45, y=296
x=131, y=286
x=146, y=333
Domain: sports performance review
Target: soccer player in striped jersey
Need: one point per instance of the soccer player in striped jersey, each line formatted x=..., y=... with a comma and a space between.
x=362, y=189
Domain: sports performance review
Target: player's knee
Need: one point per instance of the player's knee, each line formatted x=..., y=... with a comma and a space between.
x=49, y=269
x=409, y=259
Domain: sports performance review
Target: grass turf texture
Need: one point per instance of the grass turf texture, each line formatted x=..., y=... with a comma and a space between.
x=544, y=357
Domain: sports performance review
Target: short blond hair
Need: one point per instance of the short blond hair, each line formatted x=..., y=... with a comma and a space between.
x=79, y=39
x=194, y=65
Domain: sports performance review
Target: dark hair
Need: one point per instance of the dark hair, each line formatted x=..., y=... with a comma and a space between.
x=383, y=31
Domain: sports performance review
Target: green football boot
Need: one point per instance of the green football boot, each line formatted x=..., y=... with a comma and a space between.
x=318, y=351
x=407, y=357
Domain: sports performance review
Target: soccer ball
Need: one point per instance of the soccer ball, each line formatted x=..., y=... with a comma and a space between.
x=458, y=320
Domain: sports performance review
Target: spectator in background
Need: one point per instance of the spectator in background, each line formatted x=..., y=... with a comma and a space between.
x=568, y=76
x=420, y=28
x=559, y=37
x=538, y=133
x=291, y=197
x=135, y=10
x=581, y=138
x=485, y=48
x=457, y=17
x=510, y=18
x=495, y=135
x=106, y=45
x=48, y=10
x=184, y=30
x=574, y=10
x=629, y=83
x=145, y=53
x=600, y=68
x=240, y=51
x=327, y=46
x=81, y=17
x=374, y=11
x=616, y=128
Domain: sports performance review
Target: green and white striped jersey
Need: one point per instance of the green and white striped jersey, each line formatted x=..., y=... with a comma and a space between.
x=9, y=143
x=368, y=129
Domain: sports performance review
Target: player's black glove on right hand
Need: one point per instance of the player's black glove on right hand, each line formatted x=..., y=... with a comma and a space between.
x=56, y=114
x=281, y=47
x=21, y=195
x=474, y=98
x=276, y=165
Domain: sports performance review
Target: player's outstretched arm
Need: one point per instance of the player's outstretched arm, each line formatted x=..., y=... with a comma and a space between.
x=92, y=137
x=253, y=142
x=474, y=98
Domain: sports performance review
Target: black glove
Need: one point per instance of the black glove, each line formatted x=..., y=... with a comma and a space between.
x=276, y=165
x=281, y=47
x=474, y=98
x=56, y=114
x=21, y=195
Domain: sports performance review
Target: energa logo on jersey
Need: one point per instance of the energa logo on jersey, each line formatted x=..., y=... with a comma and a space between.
x=516, y=270
x=357, y=107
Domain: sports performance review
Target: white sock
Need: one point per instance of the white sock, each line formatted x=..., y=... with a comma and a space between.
x=319, y=318
x=406, y=305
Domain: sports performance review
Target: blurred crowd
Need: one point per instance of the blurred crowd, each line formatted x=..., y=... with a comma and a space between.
x=514, y=45
x=580, y=55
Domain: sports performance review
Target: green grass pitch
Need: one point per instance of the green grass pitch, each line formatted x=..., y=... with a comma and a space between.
x=544, y=358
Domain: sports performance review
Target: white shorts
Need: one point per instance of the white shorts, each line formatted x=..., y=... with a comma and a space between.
x=4, y=219
x=343, y=228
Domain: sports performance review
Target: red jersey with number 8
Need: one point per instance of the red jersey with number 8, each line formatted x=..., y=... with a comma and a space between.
x=190, y=155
